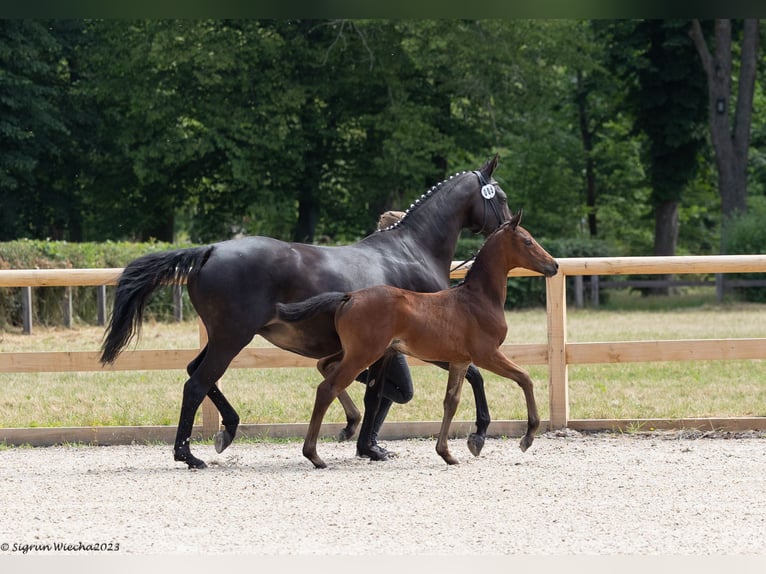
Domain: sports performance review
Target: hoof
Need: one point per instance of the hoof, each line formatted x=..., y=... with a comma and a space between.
x=345, y=434
x=526, y=442
x=222, y=440
x=475, y=443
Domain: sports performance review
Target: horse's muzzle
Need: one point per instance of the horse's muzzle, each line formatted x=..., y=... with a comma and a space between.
x=550, y=269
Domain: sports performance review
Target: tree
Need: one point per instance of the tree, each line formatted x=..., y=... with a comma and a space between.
x=730, y=136
x=32, y=131
x=667, y=99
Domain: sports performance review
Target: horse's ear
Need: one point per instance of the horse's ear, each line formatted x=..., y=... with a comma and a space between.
x=516, y=219
x=489, y=167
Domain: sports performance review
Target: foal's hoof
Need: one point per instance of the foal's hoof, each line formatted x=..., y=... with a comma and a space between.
x=526, y=442
x=222, y=440
x=475, y=443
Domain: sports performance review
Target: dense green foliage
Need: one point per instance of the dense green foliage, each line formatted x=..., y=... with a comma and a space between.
x=308, y=129
x=201, y=130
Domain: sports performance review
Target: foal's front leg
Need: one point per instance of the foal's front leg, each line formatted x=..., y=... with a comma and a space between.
x=451, y=402
x=501, y=365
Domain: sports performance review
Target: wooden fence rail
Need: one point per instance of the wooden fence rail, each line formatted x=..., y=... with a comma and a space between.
x=557, y=353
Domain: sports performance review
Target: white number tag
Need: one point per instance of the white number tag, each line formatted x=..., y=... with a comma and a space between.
x=488, y=191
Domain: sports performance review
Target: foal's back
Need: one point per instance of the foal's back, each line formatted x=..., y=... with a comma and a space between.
x=445, y=326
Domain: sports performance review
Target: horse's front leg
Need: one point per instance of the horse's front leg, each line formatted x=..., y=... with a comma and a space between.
x=451, y=402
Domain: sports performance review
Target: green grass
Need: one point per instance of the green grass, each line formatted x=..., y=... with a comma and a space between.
x=634, y=390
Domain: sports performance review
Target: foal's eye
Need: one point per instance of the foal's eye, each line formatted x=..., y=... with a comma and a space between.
x=528, y=242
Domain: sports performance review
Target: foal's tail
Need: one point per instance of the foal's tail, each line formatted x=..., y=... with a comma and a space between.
x=324, y=303
x=139, y=280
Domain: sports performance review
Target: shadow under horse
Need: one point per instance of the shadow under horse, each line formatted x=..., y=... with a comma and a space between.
x=460, y=326
x=235, y=285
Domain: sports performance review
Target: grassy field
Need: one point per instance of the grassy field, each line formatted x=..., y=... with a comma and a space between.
x=637, y=390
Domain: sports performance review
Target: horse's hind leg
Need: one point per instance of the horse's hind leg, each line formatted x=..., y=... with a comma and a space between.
x=476, y=439
x=327, y=391
x=229, y=416
x=353, y=416
x=201, y=382
x=451, y=402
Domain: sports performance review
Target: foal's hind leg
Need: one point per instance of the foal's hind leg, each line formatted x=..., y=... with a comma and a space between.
x=353, y=416
x=500, y=364
x=474, y=377
x=327, y=391
x=451, y=402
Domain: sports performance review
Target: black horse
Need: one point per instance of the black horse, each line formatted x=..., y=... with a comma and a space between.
x=235, y=285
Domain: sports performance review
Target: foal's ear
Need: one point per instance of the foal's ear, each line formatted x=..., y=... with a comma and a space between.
x=516, y=219
x=489, y=167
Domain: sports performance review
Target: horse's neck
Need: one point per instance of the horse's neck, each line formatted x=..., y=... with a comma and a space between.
x=432, y=230
x=433, y=237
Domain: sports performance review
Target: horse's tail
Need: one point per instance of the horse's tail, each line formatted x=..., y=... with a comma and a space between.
x=324, y=303
x=139, y=280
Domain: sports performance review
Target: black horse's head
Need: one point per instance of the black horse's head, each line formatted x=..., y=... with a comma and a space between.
x=488, y=205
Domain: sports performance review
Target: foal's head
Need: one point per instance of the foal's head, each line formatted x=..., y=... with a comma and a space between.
x=523, y=250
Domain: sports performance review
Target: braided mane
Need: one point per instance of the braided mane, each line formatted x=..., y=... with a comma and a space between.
x=423, y=199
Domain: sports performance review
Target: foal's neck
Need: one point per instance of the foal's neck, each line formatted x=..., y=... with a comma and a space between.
x=489, y=276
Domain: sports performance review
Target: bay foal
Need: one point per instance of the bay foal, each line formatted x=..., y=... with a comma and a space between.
x=461, y=325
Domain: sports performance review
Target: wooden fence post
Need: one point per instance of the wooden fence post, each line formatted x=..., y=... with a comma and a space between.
x=211, y=418
x=558, y=383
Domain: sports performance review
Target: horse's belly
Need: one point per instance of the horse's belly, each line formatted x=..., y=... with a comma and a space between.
x=433, y=350
x=309, y=342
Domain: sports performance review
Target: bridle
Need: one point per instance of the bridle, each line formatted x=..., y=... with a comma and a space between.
x=488, y=192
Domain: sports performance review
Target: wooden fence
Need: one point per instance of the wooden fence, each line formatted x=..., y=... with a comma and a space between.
x=558, y=354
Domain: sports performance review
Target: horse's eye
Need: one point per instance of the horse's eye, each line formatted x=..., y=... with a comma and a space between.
x=528, y=242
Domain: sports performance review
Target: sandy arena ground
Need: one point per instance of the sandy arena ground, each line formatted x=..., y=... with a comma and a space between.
x=670, y=494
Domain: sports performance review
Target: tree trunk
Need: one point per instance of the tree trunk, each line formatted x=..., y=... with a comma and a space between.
x=587, y=144
x=665, y=236
x=731, y=139
x=308, y=215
